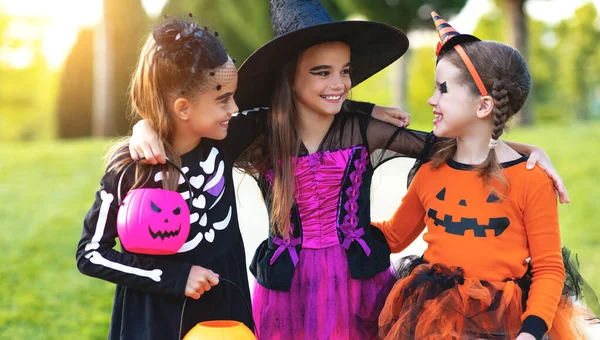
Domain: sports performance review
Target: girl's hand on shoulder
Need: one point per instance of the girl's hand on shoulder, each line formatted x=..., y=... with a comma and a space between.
x=540, y=157
x=391, y=115
x=199, y=281
x=525, y=336
x=144, y=143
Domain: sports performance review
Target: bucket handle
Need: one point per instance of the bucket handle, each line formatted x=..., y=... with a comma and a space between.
x=168, y=161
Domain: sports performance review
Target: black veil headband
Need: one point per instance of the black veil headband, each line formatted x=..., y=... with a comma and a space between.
x=197, y=53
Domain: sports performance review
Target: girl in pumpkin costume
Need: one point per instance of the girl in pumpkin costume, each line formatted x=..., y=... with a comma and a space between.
x=494, y=267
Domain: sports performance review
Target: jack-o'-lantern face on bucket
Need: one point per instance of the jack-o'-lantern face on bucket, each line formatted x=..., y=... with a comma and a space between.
x=162, y=227
x=153, y=221
x=456, y=223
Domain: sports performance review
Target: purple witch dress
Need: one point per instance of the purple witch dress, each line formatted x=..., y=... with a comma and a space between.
x=330, y=278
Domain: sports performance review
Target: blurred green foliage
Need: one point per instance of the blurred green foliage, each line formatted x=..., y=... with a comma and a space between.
x=563, y=60
x=27, y=95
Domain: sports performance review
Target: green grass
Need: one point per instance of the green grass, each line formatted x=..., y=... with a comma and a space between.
x=575, y=152
x=46, y=189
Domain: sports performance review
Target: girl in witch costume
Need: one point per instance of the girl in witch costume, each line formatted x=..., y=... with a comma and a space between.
x=323, y=273
x=493, y=268
x=183, y=86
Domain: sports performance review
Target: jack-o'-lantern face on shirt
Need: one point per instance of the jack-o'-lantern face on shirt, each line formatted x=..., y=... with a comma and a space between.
x=460, y=215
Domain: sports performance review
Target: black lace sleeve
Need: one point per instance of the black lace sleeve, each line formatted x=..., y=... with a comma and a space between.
x=423, y=157
x=244, y=129
x=360, y=107
x=388, y=141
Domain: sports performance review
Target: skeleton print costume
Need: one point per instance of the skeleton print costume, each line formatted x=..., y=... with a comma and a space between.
x=149, y=298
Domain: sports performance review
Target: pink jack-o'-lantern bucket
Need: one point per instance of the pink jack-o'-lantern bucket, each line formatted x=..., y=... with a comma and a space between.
x=151, y=220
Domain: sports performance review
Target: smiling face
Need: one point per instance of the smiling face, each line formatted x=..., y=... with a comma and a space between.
x=454, y=105
x=322, y=78
x=209, y=113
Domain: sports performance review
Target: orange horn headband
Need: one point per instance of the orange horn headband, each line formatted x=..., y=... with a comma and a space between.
x=447, y=32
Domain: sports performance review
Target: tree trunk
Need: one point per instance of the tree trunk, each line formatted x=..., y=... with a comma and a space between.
x=102, y=114
x=399, y=82
x=518, y=38
x=116, y=50
x=74, y=109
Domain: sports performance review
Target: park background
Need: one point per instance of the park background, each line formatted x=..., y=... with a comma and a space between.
x=64, y=71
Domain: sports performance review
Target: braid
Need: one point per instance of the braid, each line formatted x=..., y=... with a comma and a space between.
x=490, y=168
x=501, y=107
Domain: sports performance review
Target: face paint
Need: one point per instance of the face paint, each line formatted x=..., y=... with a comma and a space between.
x=322, y=79
x=453, y=111
x=209, y=112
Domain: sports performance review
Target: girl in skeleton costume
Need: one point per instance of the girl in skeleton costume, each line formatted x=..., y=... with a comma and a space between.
x=493, y=267
x=323, y=271
x=183, y=85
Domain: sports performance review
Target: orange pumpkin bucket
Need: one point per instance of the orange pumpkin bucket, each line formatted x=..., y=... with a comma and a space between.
x=219, y=330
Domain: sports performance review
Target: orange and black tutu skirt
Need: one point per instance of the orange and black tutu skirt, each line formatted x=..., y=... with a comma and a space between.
x=433, y=301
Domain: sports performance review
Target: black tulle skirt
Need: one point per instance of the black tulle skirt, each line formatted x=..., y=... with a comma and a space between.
x=434, y=301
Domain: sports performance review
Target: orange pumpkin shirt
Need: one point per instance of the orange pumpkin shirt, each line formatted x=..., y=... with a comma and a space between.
x=469, y=226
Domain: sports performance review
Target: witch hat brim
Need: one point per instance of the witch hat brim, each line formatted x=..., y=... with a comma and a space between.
x=373, y=46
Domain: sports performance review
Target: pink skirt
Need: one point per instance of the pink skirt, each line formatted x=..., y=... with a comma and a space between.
x=324, y=302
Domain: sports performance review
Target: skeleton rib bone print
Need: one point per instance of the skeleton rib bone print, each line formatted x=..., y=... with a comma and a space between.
x=208, y=181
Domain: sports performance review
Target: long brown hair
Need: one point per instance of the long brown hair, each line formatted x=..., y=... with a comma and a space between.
x=275, y=151
x=505, y=75
x=164, y=72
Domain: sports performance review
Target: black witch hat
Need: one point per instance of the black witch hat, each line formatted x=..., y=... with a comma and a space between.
x=300, y=24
